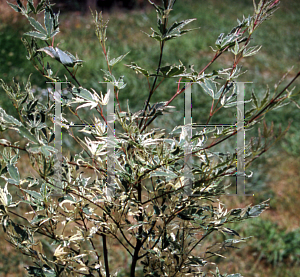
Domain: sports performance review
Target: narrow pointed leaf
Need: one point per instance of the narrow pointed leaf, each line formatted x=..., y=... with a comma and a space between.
x=8, y=118
x=13, y=172
x=114, y=61
x=168, y=174
x=31, y=6
x=176, y=27
x=159, y=9
x=36, y=35
x=20, y=4
x=34, y=194
x=138, y=69
x=84, y=93
x=25, y=133
x=54, y=33
x=209, y=87
x=65, y=58
x=45, y=149
x=265, y=99
x=48, y=21
x=39, y=6
x=37, y=25
x=15, y=7
x=176, y=70
x=251, y=51
x=255, y=102
x=50, y=51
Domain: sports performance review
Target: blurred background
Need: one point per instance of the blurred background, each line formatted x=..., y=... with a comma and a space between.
x=274, y=249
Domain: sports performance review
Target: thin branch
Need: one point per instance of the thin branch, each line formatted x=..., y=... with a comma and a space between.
x=154, y=82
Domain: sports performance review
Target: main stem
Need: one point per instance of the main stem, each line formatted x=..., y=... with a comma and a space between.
x=157, y=71
x=154, y=83
x=105, y=253
x=139, y=239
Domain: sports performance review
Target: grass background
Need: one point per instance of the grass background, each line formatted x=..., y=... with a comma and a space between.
x=271, y=251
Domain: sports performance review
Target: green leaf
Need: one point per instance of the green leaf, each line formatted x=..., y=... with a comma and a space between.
x=236, y=48
x=51, y=52
x=33, y=148
x=63, y=57
x=176, y=70
x=31, y=6
x=36, y=35
x=15, y=7
x=114, y=61
x=219, y=40
x=209, y=87
x=228, y=40
x=155, y=35
x=230, y=104
x=83, y=93
x=54, y=33
x=230, y=231
x=47, y=149
x=218, y=94
x=34, y=194
x=5, y=196
x=158, y=9
x=66, y=197
x=38, y=218
x=108, y=77
x=160, y=26
x=25, y=133
x=37, y=25
x=257, y=209
x=265, y=98
x=56, y=23
x=250, y=112
x=48, y=21
x=67, y=58
x=176, y=27
x=13, y=172
x=5, y=118
x=254, y=98
x=165, y=69
x=279, y=104
x=120, y=83
x=168, y=174
x=28, y=10
x=171, y=71
x=138, y=69
x=251, y=51
x=196, y=261
x=39, y=6
x=20, y=4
